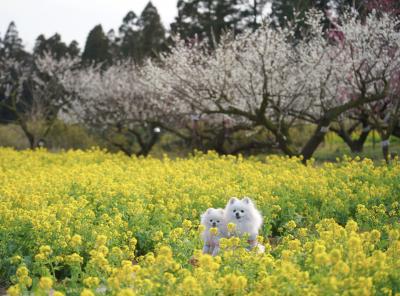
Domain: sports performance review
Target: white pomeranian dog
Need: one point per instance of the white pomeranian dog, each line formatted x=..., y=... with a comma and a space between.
x=247, y=219
x=213, y=218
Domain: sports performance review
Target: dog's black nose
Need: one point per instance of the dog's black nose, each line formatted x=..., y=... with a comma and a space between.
x=214, y=224
x=237, y=215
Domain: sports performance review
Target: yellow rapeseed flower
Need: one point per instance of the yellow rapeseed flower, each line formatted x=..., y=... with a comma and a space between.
x=187, y=224
x=231, y=227
x=214, y=231
x=14, y=291
x=91, y=282
x=190, y=286
x=15, y=259
x=158, y=235
x=87, y=292
x=233, y=284
x=46, y=283
x=126, y=292
x=22, y=271
x=76, y=240
x=291, y=225
x=101, y=240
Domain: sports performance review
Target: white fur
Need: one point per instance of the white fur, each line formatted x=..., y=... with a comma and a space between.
x=245, y=216
x=210, y=219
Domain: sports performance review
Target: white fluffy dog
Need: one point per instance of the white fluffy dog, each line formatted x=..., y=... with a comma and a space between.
x=246, y=217
x=213, y=218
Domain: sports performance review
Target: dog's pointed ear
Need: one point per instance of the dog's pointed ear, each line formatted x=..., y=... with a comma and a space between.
x=233, y=200
x=209, y=210
x=247, y=200
x=221, y=211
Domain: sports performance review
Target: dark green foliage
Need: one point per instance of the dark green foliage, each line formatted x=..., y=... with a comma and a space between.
x=10, y=48
x=113, y=47
x=143, y=36
x=55, y=46
x=206, y=19
x=209, y=19
x=152, y=32
x=130, y=36
x=97, y=46
x=73, y=49
x=12, y=44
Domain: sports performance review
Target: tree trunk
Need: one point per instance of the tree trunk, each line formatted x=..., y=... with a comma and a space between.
x=356, y=146
x=319, y=134
x=359, y=143
x=285, y=146
x=316, y=139
x=30, y=136
x=396, y=131
x=385, y=148
x=146, y=146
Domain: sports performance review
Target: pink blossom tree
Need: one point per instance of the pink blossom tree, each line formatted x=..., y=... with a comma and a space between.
x=374, y=50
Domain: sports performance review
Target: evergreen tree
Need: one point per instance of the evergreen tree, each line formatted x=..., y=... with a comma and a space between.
x=113, y=45
x=12, y=44
x=206, y=19
x=97, y=47
x=141, y=37
x=55, y=46
x=130, y=36
x=73, y=49
x=1, y=46
x=11, y=48
x=129, y=23
x=152, y=32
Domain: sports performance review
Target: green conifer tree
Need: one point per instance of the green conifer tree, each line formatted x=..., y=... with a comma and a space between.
x=97, y=47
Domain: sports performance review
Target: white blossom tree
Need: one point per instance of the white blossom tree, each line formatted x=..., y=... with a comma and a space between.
x=373, y=49
x=257, y=78
x=384, y=116
x=33, y=91
x=273, y=80
x=116, y=103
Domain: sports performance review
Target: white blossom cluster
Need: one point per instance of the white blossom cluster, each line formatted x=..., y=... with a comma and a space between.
x=268, y=67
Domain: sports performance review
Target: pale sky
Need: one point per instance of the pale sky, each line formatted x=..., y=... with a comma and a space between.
x=73, y=19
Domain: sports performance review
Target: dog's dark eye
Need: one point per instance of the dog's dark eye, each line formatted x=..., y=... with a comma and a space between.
x=211, y=220
x=242, y=211
x=217, y=221
x=234, y=211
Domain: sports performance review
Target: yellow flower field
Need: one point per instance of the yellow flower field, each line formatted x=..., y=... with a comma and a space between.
x=93, y=223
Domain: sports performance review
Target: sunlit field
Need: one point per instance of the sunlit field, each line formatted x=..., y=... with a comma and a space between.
x=93, y=223
x=200, y=147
